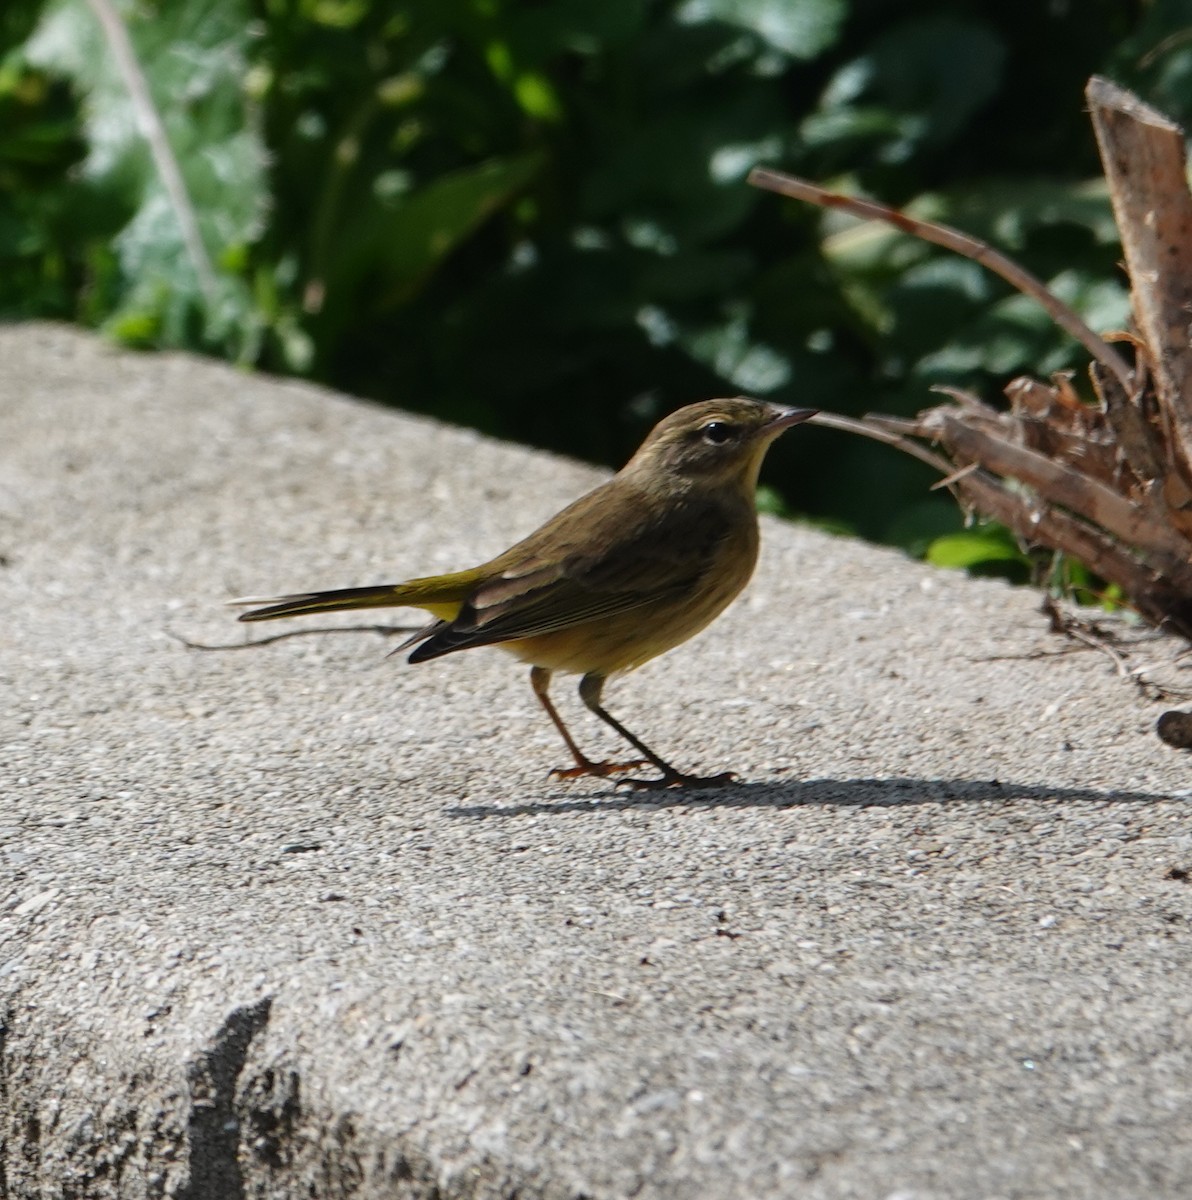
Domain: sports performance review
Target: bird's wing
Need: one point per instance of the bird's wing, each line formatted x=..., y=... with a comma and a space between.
x=594, y=564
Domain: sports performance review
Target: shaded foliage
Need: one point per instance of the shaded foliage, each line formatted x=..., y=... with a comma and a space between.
x=531, y=217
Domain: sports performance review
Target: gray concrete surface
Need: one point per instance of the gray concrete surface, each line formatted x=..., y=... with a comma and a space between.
x=301, y=921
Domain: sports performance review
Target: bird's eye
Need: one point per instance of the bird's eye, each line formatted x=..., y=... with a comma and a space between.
x=717, y=432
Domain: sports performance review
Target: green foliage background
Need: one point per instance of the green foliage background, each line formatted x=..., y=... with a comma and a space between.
x=531, y=217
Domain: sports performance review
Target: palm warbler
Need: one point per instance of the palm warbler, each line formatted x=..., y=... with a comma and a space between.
x=625, y=573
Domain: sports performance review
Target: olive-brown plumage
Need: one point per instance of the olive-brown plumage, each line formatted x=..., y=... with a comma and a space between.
x=623, y=574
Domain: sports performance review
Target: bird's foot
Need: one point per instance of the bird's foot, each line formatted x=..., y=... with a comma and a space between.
x=676, y=779
x=602, y=770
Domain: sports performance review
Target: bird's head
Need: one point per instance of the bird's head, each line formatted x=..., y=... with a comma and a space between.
x=716, y=442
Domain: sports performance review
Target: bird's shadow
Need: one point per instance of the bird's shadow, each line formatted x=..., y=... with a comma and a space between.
x=818, y=793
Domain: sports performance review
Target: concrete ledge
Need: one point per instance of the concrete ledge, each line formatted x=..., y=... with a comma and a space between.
x=299, y=920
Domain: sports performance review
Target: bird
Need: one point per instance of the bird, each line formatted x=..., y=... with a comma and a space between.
x=623, y=574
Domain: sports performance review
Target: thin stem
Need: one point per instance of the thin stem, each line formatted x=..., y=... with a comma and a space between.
x=963, y=244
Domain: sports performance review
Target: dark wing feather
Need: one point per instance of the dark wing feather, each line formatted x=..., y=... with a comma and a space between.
x=603, y=556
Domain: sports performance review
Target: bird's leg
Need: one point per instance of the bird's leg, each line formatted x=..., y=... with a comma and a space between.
x=590, y=688
x=540, y=682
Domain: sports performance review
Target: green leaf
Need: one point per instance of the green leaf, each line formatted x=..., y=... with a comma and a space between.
x=406, y=243
x=916, y=87
x=973, y=547
x=1016, y=334
x=728, y=349
x=798, y=28
x=1157, y=59
x=771, y=501
x=192, y=57
x=1005, y=212
x=681, y=170
x=537, y=33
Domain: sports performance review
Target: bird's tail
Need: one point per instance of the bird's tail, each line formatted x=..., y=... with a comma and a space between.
x=441, y=595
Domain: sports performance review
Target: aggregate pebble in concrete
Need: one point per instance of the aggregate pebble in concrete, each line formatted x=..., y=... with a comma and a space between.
x=301, y=920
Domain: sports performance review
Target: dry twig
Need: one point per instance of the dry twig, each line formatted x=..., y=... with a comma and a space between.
x=963, y=244
x=1108, y=485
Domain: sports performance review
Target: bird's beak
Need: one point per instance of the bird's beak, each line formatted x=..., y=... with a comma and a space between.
x=784, y=418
